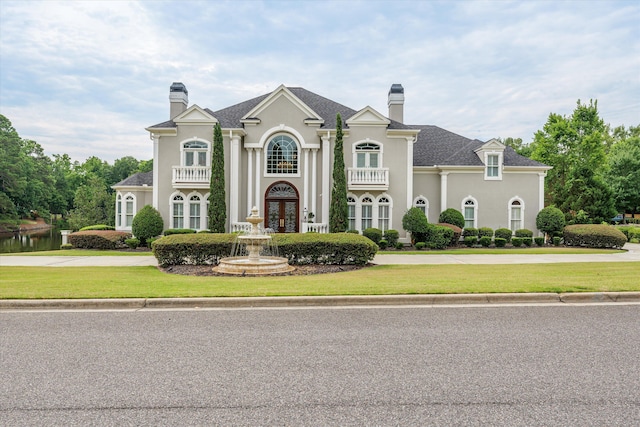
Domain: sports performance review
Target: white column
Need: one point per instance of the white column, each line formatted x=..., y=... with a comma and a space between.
x=156, y=171
x=443, y=191
x=249, y=179
x=326, y=177
x=541, y=176
x=234, y=172
x=314, y=181
x=410, y=142
x=306, y=180
x=257, y=198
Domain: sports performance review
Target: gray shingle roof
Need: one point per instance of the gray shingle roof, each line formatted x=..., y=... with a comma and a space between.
x=138, y=179
x=435, y=146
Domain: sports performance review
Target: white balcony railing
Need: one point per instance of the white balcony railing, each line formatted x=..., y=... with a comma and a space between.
x=193, y=176
x=241, y=227
x=368, y=178
x=314, y=227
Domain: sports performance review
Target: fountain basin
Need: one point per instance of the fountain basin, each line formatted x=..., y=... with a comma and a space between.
x=244, y=266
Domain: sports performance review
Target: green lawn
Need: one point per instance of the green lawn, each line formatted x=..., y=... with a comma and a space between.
x=546, y=250
x=149, y=282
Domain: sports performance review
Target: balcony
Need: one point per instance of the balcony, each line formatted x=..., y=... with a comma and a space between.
x=368, y=179
x=191, y=176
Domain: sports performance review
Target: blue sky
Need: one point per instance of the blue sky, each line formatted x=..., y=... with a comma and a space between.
x=86, y=77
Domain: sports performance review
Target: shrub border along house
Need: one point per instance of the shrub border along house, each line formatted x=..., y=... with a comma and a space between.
x=299, y=249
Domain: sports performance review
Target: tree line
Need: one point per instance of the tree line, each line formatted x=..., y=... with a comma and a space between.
x=33, y=184
x=596, y=169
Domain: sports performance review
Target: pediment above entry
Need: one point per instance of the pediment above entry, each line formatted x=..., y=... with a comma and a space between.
x=194, y=115
x=252, y=117
x=282, y=128
x=368, y=116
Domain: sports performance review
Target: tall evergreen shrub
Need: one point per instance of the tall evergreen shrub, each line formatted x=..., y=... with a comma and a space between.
x=217, y=196
x=338, y=210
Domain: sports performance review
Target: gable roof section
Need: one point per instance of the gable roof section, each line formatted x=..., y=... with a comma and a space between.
x=281, y=92
x=368, y=117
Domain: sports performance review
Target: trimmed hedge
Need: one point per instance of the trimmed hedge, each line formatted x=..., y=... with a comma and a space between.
x=523, y=232
x=470, y=231
x=516, y=242
x=99, y=239
x=391, y=236
x=438, y=236
x=97, y=227
x=452, y=216
x=485, y=231
x=305, y=248
x=470, y=241
x=170, y=231
x=457, y=232
x=594, y=236
x=500, y=242
x=374, y=234
x=504, y=233
x=485, y=241
x=539, y=241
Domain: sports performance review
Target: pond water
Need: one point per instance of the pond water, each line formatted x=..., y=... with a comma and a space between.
x=45, y=240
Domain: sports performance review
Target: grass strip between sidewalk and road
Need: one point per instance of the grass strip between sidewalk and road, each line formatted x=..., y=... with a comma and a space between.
x=150, y=282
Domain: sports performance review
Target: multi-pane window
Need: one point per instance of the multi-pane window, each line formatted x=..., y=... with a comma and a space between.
x=367, y=155
x=178, y=211
x=194, y=212
x=119, y=211
x=383, y=214
x=493, y=166
x=367, y=213
x=421, y=203
x=282, y=155
x=516, y=215
x=128, y=203
x=469, y=214
x=195, y=153
x=351, y=212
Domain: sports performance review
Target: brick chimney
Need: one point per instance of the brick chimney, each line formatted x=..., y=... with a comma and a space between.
x=396, y=102
x=178, y=99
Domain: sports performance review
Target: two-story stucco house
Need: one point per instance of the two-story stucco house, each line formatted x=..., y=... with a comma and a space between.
x=279, y=157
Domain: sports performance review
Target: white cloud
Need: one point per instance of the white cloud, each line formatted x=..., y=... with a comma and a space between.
x=81, y=76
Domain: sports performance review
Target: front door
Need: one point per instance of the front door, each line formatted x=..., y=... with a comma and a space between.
x=281, y=202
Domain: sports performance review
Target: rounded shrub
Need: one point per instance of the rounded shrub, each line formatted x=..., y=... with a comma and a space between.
x=383, y=244
x=470, y=241
x=457, y=232
x=420, y=245
x=353, y=231
x=373, y=234
x=438, y=237
x=485, y=231
x=594, y=236
x=539, y=241
x=556, y=240
x=504, y=233
x=391, y=236
x=523, y=232
x=452, y=216
x=528, y=241
x=399, y=245
x=97, y=227
x=416, y=223
x=500, y=242
x=516, y=241
x=485, y=241
x=470, y=231
x=133, y=243
x=146, y=224
x=550, y=220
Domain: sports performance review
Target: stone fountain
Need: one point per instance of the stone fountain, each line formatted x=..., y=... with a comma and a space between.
x=255, y=262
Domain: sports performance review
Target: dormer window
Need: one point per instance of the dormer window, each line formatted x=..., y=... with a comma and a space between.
x=493, y=166
x=195, y=153
x=367, y=155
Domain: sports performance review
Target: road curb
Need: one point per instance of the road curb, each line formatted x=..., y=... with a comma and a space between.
x=318, y=301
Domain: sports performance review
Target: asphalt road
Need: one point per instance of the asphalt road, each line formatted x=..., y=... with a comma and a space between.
x=517, y=366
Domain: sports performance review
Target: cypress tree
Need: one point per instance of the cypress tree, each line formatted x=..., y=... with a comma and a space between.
x=338, y=211
x=217, y=195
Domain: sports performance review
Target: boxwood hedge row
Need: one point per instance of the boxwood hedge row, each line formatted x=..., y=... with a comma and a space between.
x=593, y=236
x=99, y=239
x=306, y=248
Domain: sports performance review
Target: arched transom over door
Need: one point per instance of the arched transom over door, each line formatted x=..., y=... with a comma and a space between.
x=281, y=206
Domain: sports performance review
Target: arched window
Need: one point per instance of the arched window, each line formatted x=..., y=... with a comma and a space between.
x=195, y=153
x=422, y=204
x=194, y=212
x=282, y=155
x=367, y=212
x=367, y=155
x=119, y=211
x=351, y=212
x=516, y=208
x=384, y=207
x=129, y=210
x=470, y=209
x=177, y=211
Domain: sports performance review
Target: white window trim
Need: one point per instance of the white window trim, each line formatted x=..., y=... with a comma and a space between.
x=475, y=210
x=426, y=204
x=186, y=211
x=355, y=207
x=183, y=151
x=120, y=197
x=265, y=163
x=513, y=199
x=486, y=167
x=184, y=199
x=375, y=212
x=354, y=152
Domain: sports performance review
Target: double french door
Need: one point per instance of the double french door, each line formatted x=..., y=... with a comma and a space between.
x=282, y=206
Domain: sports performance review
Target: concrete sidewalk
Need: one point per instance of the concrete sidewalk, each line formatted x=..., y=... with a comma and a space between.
x=632, y=254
